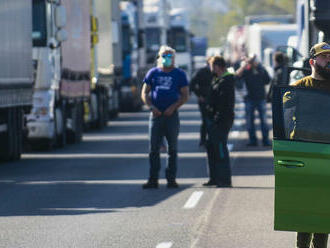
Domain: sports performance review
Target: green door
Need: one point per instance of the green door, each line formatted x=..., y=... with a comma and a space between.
x=301, y=146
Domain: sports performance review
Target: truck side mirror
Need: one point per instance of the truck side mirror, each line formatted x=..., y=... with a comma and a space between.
x=61, y=35
x=60, y=16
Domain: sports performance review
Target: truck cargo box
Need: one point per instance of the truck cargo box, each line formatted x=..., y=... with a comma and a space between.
x=76, y=50
x=16, y=69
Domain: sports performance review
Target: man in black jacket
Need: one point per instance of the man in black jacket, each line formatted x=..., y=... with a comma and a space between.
x=220, y=117
x=200, y=84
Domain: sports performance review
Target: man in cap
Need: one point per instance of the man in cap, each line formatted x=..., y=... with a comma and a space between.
x=319, y=79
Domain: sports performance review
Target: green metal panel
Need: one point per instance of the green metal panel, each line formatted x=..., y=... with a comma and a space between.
x=302, y=186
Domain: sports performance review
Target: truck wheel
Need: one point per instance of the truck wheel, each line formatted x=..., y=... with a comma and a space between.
x=80, y=123
x=18, y=134
x=74, y=135
x=60, y=127
x=100, y=109
x=8, y=138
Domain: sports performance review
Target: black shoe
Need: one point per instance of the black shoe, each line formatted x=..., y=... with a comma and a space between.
x=266, y=143
x=150, y=185
x=222, y=185
x=172, y=185
x=209, y=183
x=252, y=144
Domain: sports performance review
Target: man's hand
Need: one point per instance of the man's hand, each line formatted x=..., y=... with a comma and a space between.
x=170, y=110
x=155, y=112
x=183, y=98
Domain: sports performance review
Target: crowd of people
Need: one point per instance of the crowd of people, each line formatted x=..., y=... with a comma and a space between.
x=166, y=89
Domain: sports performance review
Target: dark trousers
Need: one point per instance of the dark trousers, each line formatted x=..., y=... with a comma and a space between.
x=218, y=154
x=203, y=128
x=250, y=107
x=160, y=127
x=319, y=240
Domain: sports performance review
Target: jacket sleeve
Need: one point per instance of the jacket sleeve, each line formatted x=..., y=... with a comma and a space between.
x=266, y=76
x=224, y=113
x=195, y=82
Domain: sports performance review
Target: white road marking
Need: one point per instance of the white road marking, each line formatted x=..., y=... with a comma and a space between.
x=234, y=134
x=193, y=200
x=230, y=147
x=165, y=245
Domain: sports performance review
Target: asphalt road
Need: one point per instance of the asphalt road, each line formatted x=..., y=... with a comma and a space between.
x=90, y=194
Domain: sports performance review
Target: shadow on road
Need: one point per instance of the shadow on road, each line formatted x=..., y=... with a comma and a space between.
x=75, y=198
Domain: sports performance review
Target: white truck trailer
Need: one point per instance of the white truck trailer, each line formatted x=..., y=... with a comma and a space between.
x=16, y=74
x=61, y=53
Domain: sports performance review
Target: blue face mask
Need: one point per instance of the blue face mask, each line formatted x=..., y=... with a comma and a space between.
x=167, y=60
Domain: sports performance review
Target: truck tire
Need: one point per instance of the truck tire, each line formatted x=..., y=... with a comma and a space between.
x=60, y=126
x=18, y=134
x=74, y=135
x=102, y=110
x=11, y=140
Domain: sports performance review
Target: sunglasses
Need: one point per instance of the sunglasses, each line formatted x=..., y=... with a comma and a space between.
x=168, y=55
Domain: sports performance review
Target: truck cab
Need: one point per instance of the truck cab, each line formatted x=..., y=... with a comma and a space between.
x=179, y=38
x=61, y=55
x=156, y=23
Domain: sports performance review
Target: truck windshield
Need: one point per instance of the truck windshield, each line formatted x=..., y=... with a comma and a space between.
x=39, y=32
x=152, y=39
x=178, y=40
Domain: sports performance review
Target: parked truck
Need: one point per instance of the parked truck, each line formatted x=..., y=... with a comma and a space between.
x=313, y=19
x=61, y=54
x=133, y=55
x=16, y=74
x=157, y=25
x=106, y=66
x=313, y=26
x=179, y=38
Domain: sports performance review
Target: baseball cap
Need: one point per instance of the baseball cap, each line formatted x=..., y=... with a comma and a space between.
x=319, y=48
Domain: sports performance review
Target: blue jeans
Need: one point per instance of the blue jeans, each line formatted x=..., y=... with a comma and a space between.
x=250, y=107
x=160, y=127
x=218, y=154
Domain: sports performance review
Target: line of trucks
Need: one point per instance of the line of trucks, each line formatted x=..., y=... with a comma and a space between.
x=84, y=63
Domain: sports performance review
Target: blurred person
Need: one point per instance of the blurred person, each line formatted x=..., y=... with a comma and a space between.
x=199, y=85
x=319, y=79
x=255, y=78
x=164, y=90
x=281, y=75
x=220, y=103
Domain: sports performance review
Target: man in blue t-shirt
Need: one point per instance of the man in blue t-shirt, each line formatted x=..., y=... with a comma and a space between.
x=164, y=90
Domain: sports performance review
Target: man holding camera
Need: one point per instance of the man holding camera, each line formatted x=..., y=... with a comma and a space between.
x=255, y=77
